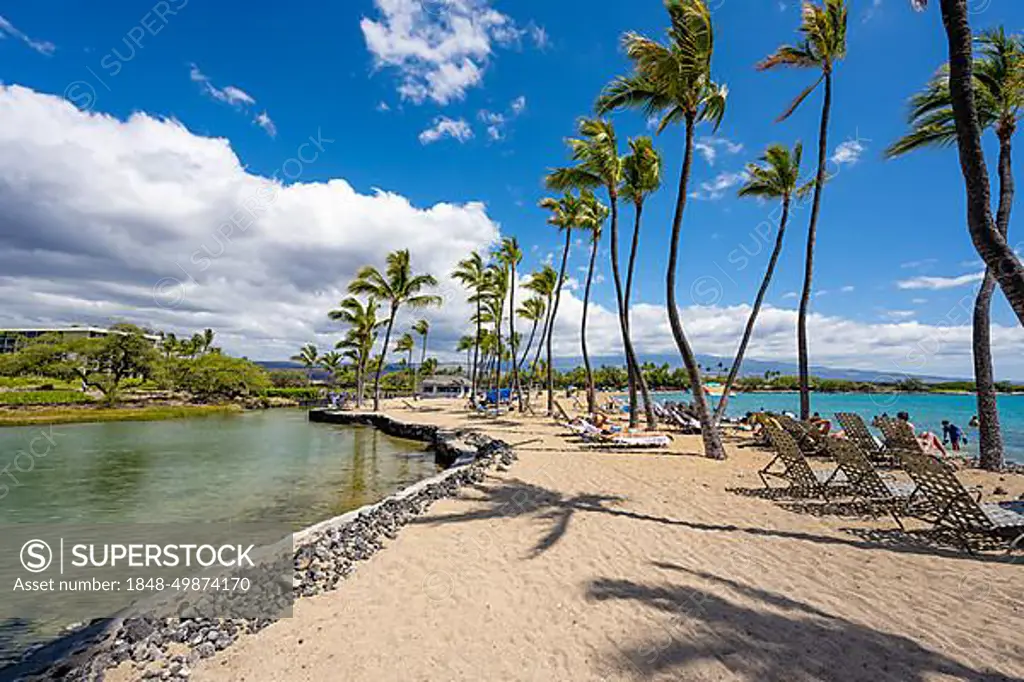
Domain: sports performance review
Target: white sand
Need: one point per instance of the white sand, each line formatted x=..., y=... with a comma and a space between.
x=580, y=565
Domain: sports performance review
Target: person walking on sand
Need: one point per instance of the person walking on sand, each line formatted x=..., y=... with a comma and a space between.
x=952, y=434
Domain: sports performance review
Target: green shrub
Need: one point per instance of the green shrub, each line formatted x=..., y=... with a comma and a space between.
x=43, y=397
x=309, y=393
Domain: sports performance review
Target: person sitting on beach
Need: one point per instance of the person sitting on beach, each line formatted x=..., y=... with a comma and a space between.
x=928, y=440
x=820, y=423
x=952, y=434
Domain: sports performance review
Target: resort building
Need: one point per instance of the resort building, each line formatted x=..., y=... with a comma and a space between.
x=445, y=387
x=12, y=339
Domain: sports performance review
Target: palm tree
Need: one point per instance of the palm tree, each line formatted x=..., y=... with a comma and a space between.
x=331, y=361
x=472, y=274
x=469, y=344
x=674, y=81
x=823, y=46
x=533, y=310
x=308, y=356
x=999, y=86
x=510, y=255
x=497, y=290
x=594, y=215
x=207, y=340
x=598, y=164
x=641, y=177
x=565, y=215
x=361, y=337
x=543, y=282
x=776, y=177
x=991, y=245
x=399, y=287
x=421, y=327
x=406, y=344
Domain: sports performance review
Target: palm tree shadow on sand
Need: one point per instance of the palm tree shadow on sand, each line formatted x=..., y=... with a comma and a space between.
x=778, y=638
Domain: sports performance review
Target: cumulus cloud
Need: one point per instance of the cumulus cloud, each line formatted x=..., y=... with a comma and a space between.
x=457, y=129
x=44, y=47
x=708, y=147
x=936, y=283
x=715, y=189
x=440, y=48
x=145, y=221
x=848, y=152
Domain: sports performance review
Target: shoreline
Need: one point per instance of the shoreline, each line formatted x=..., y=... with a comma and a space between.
x=92, y=415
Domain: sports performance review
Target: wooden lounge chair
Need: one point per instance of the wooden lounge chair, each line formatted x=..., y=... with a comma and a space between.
x=810, y=441
x=798, y=472
x=856, y=430
x=957, y=510
x=866, y=483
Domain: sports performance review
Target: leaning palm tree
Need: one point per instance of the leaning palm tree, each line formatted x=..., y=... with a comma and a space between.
x=472, y=274
x=593, y=217
x=510, y=256
x=308, y=357
x=673, y=81
x=469, y=344
x=597, y=164
x=991, y=245
x=565, y=215
x=999, y=86
x=776, y=177
x=824, y=45
x=399, y=287
x=497, y=290
x=542, y=282
x=641, y=177
x=532, y=310
x=406, y=344
x=331, y=362
x=421, y=327
x=362, y=335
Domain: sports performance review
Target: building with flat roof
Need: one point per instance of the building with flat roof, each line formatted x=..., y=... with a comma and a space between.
x=12, y=339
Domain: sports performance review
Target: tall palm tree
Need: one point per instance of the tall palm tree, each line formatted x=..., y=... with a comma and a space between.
x=421, y=327
x=533, y=310
x=641, y=177
x=399, y=286
x=592, y=221
x=598, y=164
x=823, y=46
x=406, y=344
x=362, y=335
x=510, y=255
x=308, y=356
x=331, y=362
x=992, y=246
x=673, y=80
x=565, y=215
x=999, y=86
x=469, y=344
x=497, y=289
x=543, y=282
x=776, y=177
x=472, y=274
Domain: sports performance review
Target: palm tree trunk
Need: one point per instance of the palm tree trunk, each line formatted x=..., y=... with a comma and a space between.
x=805, y=298
x=512, y=338
x=622, y=299
x=990, y=439
x=540, y=342
x=423, y=359
x=712, y=438
x=383, y=359
x=498, y=354
x=591, y=393
x=752, y=320
x=359, y=383
x=529, y=346
x=476, y=351
x=554, y=314
x=990, y=244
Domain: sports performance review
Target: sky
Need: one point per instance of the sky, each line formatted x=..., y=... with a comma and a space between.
x=186, y=165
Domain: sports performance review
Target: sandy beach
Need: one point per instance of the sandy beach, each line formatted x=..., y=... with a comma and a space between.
x=577, y=564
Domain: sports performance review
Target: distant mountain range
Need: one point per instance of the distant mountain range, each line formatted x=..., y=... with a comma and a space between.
x=750, y=367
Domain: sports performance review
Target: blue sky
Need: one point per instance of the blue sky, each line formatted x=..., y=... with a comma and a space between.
x=444, y=104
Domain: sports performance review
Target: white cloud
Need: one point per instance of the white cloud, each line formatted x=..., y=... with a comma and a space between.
x=872, y=11
x=919, y=301
x=497, y=123
x=922, y=264
x=714, y=189
x=847, y=289
x=234, y=96
x=143, y=220
x=539, y=35
x=900, y=314
x=790, y=295
x=443, y=127
x=439, y=50
x=708, y=147
x=44, y=47
x=383, y=107
x=848, y=152
x=936, y=283
x=518, y=105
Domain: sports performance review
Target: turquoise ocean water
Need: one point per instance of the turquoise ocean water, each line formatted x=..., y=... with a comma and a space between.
x=927, y=410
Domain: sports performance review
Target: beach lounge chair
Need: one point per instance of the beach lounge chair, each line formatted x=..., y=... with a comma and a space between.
x=618, y=441
x=810, y=441
x=856, y=430
x=956, y=510
x=682, y=421
x=866, y=483
x=797, y=472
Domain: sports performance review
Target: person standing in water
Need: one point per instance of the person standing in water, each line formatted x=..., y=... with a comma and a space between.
x=952, y=434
